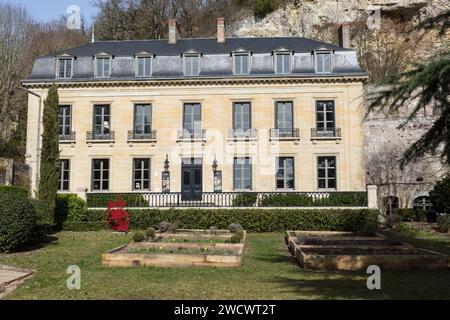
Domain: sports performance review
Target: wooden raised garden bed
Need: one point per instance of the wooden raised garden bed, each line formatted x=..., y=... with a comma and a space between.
x=347, y=251
x=183, y=248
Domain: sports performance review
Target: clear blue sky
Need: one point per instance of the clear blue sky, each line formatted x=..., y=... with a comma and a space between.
x=46, y=10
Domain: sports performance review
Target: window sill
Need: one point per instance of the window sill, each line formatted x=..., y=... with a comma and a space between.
x=336, y=139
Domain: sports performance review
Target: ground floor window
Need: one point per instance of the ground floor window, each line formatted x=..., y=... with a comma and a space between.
x=64, y=176
x=285, y=173
x=242, y=174
x=422, y=203
x=141, y=174
x=100, y=174
x=326, y=167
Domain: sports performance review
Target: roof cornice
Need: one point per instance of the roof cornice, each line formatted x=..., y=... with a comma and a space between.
x=194, y=82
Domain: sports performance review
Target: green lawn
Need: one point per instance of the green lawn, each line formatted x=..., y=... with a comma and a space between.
x=269, y=272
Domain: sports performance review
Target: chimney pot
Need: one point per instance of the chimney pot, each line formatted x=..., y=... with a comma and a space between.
x=344, y=36
x=174, y=31
x=221, y=30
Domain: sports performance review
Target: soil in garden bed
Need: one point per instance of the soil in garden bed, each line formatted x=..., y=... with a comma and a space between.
x=347, y=242
x=189, y=240
x=184, y=251
x=367, y=252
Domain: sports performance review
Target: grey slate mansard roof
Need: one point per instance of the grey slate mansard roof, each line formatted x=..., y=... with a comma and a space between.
x=216, y=59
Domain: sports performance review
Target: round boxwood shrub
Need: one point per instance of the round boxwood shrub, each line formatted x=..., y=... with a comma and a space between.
x=17, y=221
x=139, y=236
x=235, y=239
x=240, y=233
x=150, y=232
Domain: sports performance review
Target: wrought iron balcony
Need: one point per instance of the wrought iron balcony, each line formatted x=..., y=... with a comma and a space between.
x=100, y=137
x=328, y=134
x=241, y=134
x=285, y=134
x=141, y=137
x=67, y=138
x=186, y=135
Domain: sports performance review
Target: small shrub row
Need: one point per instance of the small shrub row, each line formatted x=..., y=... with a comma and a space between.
x=14, y=190
x=253, y=220
x=334, y=199
x=409, y=214
x=85, y=226
x=100, y=200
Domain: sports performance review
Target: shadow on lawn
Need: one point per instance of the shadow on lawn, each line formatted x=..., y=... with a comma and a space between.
x=33, y=245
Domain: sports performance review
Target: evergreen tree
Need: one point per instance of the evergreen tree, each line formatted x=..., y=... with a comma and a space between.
x=427, y=84
x=50, y=165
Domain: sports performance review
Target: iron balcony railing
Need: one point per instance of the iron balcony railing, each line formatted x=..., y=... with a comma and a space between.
x=186, y=135
x=333, y=133
x=242, y=134
x=232, y=199
x=140, y=136
x=107, y=136
x=292, y=133
x=71, y=137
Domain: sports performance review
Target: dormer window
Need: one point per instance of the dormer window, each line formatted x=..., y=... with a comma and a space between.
x=144, y=65
x=283, y=62
x=191, y=64
x=102, y=66
x=65, y=68
x=241, y=63
x=323, y=62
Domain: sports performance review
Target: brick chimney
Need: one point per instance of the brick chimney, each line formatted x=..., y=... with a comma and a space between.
x=220, y=30
x=344, y=35
x=174, y=31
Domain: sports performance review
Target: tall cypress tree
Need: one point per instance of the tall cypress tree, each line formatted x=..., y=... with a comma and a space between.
x=50, y=165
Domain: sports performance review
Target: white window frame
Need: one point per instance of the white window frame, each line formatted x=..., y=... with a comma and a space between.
x=189, y=55
x=64, y=58
x=283, y=53
x=136, y=65
x=102, y=57
x=61, y=177
x=249, y=64
x=316, y=60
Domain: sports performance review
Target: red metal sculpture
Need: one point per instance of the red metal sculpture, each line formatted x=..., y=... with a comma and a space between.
x=117, y=217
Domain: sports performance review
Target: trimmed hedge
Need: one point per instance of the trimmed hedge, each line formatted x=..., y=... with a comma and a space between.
x=17, y=221
x=100, y=200
x=69, y=208
x=14, y=190
x=410, y=214
x=85, y=226
x=253, y=220
x=335, y=199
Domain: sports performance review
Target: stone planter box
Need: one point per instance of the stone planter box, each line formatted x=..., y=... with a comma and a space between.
x=147, y=254
x=346, y=251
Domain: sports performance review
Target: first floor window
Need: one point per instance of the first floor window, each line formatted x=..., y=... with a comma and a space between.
x=326, y=172
x=325, y=116
x=100, y=174
x=141, y=174
x=65, y=120
x=242, y=172
x=64, y=177
x=285, y=173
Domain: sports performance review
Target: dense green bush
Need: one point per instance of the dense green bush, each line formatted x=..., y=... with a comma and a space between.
x=85, y=226
x=17, y=221
x=44, y=215
x=69, y=208
x=254, y=220
x=139, y=236
x=100, y=200
x=245, y=199
x=150, y=233
x=335, y=199
x=14, y=190
x=440, y=196
x=443, y=223
x=410, y=214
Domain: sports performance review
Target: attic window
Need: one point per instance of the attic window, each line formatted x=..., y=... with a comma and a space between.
x=65, y=68
x=241, y=63
x=283, y=62
x=144, y=65
x=323, y=62
x=191, y=64
x=102, y=66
